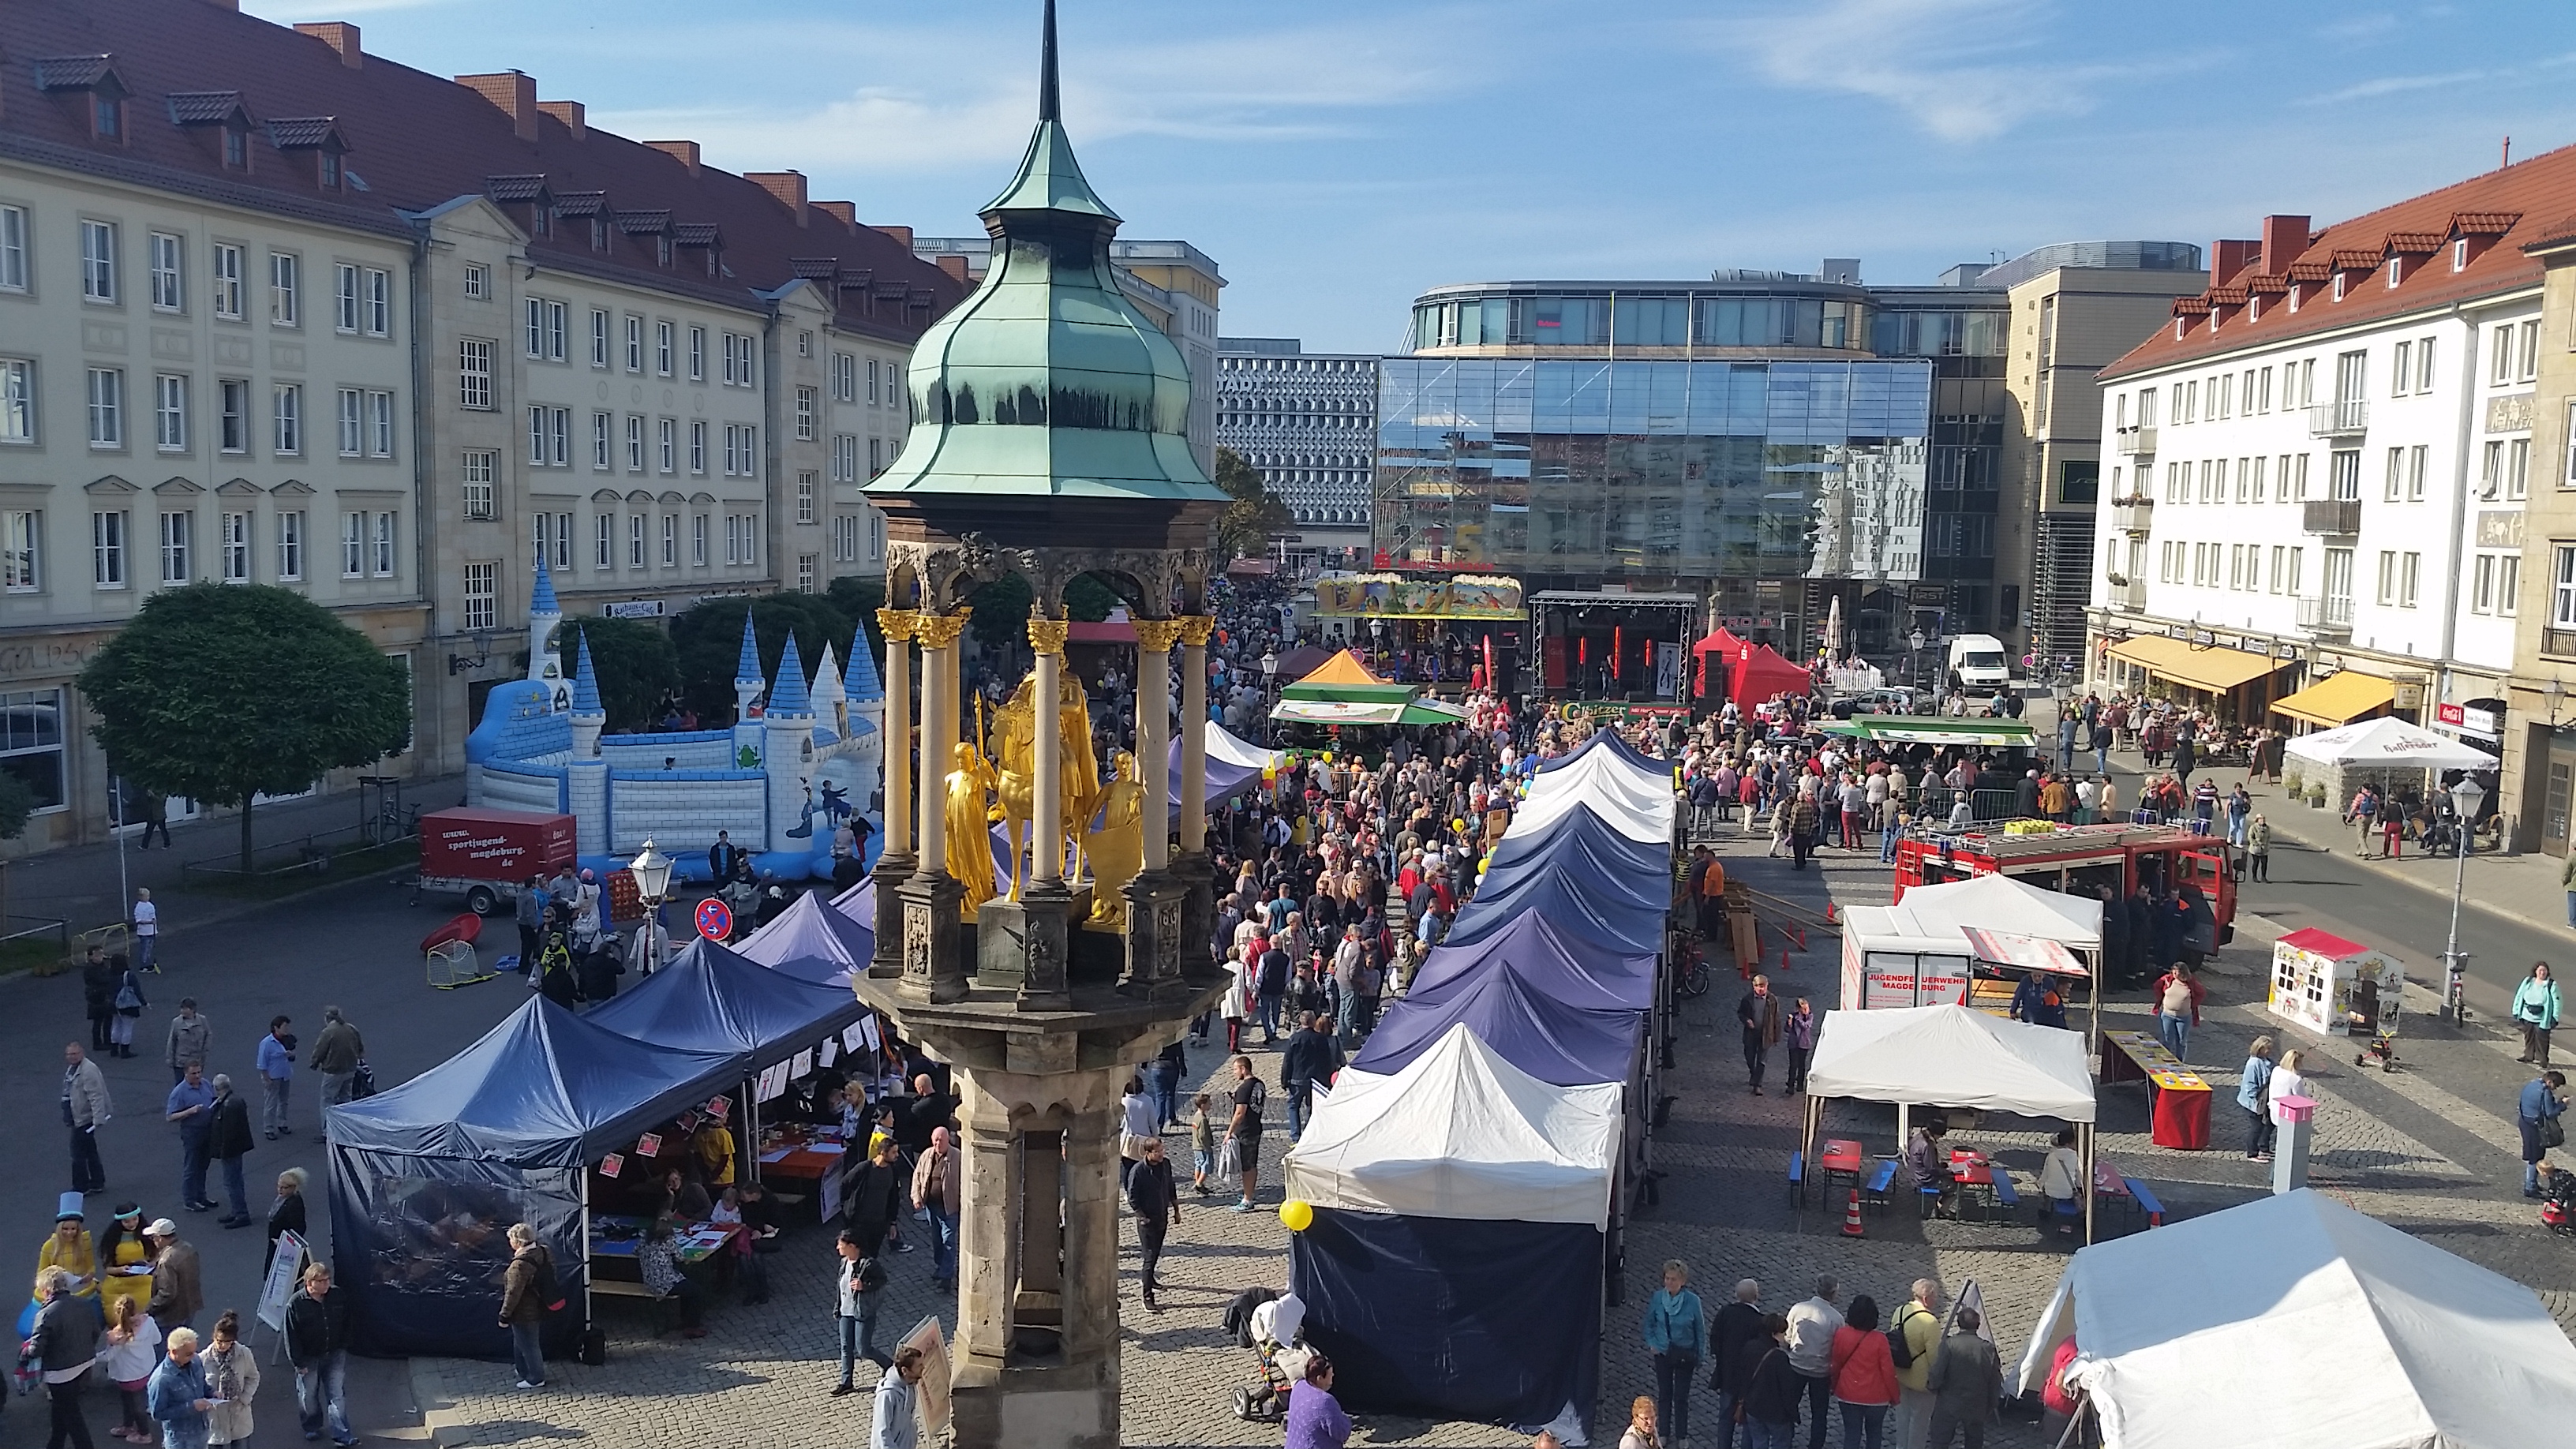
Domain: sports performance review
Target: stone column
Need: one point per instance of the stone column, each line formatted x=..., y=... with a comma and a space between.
x=1154, y=641
x=896, y=862
x=988, y=1267
x=1091, y=1244
x=1195, y=630
x=934, y=962
x=1046, y=832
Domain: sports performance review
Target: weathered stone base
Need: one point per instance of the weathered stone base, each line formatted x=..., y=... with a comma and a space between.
x=934, y=949
x=1023, y=946
x=892, y=870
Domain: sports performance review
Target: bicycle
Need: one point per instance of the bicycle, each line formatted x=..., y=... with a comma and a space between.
x=1693, y=978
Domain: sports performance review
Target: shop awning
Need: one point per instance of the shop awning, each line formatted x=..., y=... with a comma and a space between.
x=2340, y=699
x=2215, y=670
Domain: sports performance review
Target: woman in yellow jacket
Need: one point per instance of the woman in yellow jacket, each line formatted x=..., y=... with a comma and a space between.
x=70, y=1249
x=124, y=1263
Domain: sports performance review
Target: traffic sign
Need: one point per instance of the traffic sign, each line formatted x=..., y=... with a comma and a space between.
x=715, y=919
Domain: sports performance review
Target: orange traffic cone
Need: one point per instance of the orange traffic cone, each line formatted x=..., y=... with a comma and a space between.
x=1829, y=913
x=1851, y=1217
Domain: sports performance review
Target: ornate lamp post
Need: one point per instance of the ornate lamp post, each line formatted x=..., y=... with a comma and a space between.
x=653, y=882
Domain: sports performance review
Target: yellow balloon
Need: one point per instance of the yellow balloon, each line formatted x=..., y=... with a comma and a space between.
x=1298, y=1214
x=1328, y=757
x=1458, y=824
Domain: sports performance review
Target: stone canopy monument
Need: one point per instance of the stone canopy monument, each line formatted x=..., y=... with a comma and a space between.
x=1049, y=440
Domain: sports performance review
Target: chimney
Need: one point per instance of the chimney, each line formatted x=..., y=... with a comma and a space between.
x=787, y=186
x=2284, y=237
x=846, y=212
x=515, y=92
x=684, y=152
x=574, y=115
x=340, y=35
x=2230, y=258
x=954, y=264
x=901, y=234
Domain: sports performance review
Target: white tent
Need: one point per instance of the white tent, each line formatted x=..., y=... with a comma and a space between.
x=1950, y=1056
x=1461, y=1133
x=2295, y=1322
x=2001, y=903
x=2386, y=743
x=1223, y=745
x=1604, y=771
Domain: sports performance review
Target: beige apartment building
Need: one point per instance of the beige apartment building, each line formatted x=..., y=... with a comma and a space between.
x=2540, y=725
x=2074, y=307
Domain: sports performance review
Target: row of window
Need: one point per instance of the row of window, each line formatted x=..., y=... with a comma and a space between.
x=552, y=540
x=845, y=380
x=366, y=416
x=550, y=443
x=2513, y=356
x=362, y=297
x=2241, y=566
x=367, y=547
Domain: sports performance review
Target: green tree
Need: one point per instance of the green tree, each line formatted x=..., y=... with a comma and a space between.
x=17, y=805
x=635, y=663
x=1089, y=600
x=1001, y=611
x=709, y=640
x=221, y=692
x=858, y=599
x=1243, y=530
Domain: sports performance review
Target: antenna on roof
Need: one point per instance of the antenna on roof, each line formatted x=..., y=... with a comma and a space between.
x=2508, y=141
x=1047, y=107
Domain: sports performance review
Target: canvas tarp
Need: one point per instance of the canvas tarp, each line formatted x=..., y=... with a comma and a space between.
x=1606, y=775
x=1607, y=740
x=814, y=942
x=1562, y=1045
x=1582, y=845
x=1583, y=915
x=1576, y=976
x=1636, y=814
x=1460, y=1133
x=2295, y=1322
x=1950, y=1056
x=2001, y=903
x=710, y=999
x=2388, y=744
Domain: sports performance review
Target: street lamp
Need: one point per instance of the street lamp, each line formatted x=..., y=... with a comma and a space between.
x=2455, y=962
x=653, y=882
x=1914, y=657
x=1269, y=688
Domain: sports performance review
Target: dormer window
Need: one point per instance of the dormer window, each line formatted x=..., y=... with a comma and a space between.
x=662, y=250
x=2338, y=286
x=236, y=149
x=2460, y=254
x=2396, y=271
x=541, y=222
x=106, y=118
x=598, y=235
x=330, y=171
x=89, y=81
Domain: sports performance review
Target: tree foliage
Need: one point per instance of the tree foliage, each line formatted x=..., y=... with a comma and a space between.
x=1243, y=530
x=220, y=692
x=708, y=639
x=1089, y=600
x=17, y=805
x=1001, y=615
x=634, y=661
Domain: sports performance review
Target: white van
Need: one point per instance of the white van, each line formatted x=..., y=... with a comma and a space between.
x=1977, y=663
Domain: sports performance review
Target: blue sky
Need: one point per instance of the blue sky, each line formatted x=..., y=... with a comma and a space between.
x=1338, y=156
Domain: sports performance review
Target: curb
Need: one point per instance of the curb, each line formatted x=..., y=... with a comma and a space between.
x=229, y=914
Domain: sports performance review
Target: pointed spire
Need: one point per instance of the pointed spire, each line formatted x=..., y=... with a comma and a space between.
x=746, y=670
x=826, y=688
x=860, y=681
x=1048, y=110
x=787, y=696
x=585, y=683
x=542, y=601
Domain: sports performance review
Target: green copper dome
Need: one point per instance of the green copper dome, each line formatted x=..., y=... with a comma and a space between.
x=1048, y=382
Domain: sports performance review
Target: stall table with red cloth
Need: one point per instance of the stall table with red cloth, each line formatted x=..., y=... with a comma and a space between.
x=800, y=1155
x=1841, y=1159
x=2181, y=1096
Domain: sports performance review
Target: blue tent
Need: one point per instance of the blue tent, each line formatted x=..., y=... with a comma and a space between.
x=710, y=998
x=1580, y=909
x=427, y=1177
x=1565, y=970
x=1602, y=739
x=1566, y=1046
x=1581, y=843
x=814, y=942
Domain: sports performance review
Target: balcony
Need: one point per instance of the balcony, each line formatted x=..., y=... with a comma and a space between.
x=2138, y=442
x=2343, y=418
x=2133, y=515
x=2128, y=594
x=2326, y=614
x=2331, y=517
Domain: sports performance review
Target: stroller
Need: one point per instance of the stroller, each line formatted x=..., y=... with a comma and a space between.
x=1266, y=1401
x=1251, y=1319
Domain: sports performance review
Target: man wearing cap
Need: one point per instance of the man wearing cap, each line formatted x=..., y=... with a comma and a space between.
x=177, y=1287
x=86, y=1108
x=192, y=1108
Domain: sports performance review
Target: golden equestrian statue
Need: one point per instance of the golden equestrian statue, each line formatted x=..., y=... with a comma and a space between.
x=969, y=843
x=1117, y=848
x=1078, y=777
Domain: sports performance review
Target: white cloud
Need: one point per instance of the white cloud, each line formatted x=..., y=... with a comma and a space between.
x=1964, y=70
x=2389, y=85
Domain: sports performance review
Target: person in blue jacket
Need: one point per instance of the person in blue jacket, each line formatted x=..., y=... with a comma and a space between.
x=1677, y=1336
x=2544, y=1100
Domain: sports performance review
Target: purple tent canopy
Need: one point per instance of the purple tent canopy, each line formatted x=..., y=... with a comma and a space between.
x=1581, y=844
x=1519, y=1019
x=1562, y=967
x=812, y=941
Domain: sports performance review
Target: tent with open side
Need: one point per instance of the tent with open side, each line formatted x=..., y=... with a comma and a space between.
x=2189, y=1335
x=1455, y=1262
x=1950, y=1056
x=1754, y=672
x=1996, y=903
x=427, y=1176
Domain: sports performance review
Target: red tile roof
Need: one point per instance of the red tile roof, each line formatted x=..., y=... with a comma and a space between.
x=2496, y=207
x=419, y=140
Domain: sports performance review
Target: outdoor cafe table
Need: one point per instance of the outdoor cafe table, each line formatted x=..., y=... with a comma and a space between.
x=1841, y=1159
x=1971, y=1170
x=2181, y=1096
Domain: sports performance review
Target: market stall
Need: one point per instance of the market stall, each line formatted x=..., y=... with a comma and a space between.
x=2179, y=1097
x=1949, y=1056
x=2008, y=908
x=2333, y=986
x=815, y=942
x=1454, y=1263
x=2295, y=1322
x=427, y=1177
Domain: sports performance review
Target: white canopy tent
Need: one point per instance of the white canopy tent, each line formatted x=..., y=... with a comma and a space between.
x=1951, y=1056
x=1222, y=744
x=2295, y=1322
x=2001, y=903
x=1461, y=1133
x=2386, y=743
x=1603, y=772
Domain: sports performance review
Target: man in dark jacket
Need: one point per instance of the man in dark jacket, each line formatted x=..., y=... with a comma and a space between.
x=317, y=1343
x=722, y=857
x=1156, y=1200
x=228, y=1140
x=1270, y=988
x=1735, y=1325
x=1759, y=1014
x=876, y=1196
x=599, y=969
x=98, y=995
x=66, y=1340
x=1312, y=1056
x=1772, y=1389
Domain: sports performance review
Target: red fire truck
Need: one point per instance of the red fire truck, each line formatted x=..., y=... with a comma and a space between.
x=2066, y=857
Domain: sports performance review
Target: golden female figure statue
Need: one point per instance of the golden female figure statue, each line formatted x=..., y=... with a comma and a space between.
x=1117, y=848
x=969, y=825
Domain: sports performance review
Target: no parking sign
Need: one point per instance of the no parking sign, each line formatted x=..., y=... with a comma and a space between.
x=715, y=919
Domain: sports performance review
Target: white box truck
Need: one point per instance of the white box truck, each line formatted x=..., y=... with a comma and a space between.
x=1978, y=663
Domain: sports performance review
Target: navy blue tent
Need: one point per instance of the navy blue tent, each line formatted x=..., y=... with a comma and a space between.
x=1508, y=1012
x=711, y=998
x=428, y=1176
x=1582, y=844
x=1567, y=971
x=1581, y=910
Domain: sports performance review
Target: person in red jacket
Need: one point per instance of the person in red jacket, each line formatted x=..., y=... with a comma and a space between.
x=1863, y=1375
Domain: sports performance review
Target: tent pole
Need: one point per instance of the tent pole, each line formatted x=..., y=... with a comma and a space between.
x=2096, y=1009
x=2088, y=1184
x=751, y=1127
x=587, y=1317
